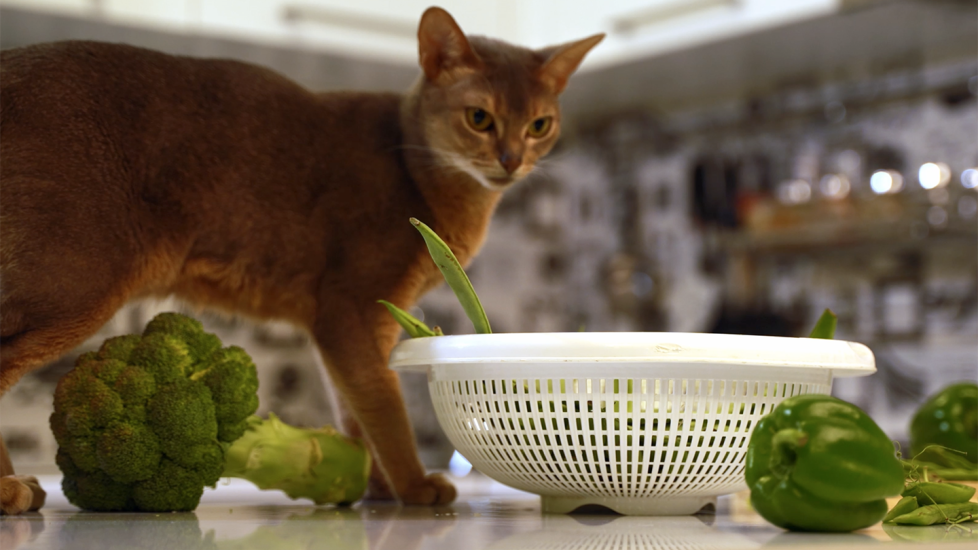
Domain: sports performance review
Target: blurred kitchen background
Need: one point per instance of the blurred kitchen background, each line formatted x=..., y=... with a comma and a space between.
x=727, y=166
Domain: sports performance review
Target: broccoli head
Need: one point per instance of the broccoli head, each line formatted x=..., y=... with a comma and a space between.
x=143, y=423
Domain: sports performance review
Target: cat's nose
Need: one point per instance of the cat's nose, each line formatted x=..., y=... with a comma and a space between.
x=510, y=161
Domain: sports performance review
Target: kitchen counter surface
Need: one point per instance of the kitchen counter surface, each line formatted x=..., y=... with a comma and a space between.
x=487, y=515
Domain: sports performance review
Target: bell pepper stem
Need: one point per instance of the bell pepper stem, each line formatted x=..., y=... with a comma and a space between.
x=784, y=451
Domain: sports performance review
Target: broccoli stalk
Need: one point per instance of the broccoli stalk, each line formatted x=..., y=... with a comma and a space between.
x=318, y=464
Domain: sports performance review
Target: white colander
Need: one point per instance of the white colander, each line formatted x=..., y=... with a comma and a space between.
x=642, y=423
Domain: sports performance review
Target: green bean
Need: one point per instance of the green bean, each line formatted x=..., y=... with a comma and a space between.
x=825, y=326
x=905, y=506
x=955, y=474
x=940, y=513
x=939, y=493
x=411, y=324
x=455, y=276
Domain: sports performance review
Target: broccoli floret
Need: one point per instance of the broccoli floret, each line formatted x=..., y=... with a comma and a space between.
x=235, y=393
x=318, y=464
x=143, y=423
x=200, y=344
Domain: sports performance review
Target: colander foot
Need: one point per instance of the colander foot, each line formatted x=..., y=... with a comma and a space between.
x=630, y=506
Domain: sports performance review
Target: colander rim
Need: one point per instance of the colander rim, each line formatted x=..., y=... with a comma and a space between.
x=842, y=357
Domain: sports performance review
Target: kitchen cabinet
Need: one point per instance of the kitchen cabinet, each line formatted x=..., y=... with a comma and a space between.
x=67, y=7
x=635, y=28
x=375, y=28
x=387, y=29
x=645, y=28
x=175, y=14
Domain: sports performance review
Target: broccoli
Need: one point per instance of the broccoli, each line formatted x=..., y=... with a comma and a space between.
x=318, y=464
x=143, y=423
x=148, y=421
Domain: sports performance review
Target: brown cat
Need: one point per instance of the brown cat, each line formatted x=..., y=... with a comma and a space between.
x=128, y=173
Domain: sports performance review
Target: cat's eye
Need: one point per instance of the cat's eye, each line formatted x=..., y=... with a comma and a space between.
x=478, y=119
x=540, y=127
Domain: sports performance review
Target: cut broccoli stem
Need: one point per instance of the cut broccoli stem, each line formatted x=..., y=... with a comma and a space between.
x=319, y=464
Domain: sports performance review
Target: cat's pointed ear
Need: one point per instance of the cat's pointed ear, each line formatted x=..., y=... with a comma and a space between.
x=563, y=60
x=442, y=46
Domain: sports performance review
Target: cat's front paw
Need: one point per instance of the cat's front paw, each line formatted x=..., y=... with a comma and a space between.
x=19, y=494
x=431, y=490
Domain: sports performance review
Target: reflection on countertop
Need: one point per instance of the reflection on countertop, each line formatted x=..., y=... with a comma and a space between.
x=236, y=516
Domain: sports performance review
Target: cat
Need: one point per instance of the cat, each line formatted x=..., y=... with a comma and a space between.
x=128, y=173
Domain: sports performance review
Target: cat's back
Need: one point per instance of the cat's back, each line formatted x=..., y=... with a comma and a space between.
x=113, y=66
x=62, y=90
x=128, y=84
x=123, y=108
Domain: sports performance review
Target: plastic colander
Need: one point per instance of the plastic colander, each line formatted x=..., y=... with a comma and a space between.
x=641, y=423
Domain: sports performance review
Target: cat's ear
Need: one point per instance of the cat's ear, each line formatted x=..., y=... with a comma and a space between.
x=442, y=47
x=563, y=60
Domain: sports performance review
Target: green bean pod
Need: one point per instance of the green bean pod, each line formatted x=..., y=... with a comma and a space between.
x=825, y=326
x=955, y=474
x=414, y=327
x=455, y=276
x=905, y=506
x=940, y=513
x=939, y=493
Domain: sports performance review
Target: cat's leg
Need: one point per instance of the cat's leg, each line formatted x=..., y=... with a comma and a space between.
x=355, y=348
x=377, y=487
x=20, y=353
x=24, y=351
x=18, y=494
x=15, y=497
x=60, y=285
x=29, y=342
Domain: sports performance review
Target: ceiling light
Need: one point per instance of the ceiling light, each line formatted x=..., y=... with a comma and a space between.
x=969, y=178
x=933, y=175
x=886, y=181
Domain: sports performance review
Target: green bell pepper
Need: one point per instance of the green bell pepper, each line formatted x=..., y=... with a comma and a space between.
x=949, y=419
x=817, y=463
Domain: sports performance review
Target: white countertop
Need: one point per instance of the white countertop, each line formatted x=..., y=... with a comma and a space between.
x=487, y=515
